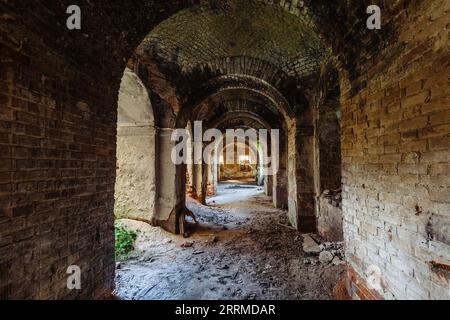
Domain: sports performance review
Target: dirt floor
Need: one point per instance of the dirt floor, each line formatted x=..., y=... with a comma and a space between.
x=243, y=249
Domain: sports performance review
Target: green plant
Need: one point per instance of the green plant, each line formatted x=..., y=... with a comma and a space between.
x=124, y=241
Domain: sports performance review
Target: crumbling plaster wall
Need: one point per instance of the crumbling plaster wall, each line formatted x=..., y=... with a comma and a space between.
x=136, y=151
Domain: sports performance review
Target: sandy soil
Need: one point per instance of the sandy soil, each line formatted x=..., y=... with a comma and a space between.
x=242, y=249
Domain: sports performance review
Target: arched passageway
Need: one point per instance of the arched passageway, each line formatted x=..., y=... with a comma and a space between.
x=363, y=117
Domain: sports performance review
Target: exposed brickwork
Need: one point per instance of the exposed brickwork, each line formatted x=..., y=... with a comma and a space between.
x=57, y=154
x=359, y=287
x=328, y=178
x=244, y=102
x=203, y=35
x=395, y=150
x=255, y=87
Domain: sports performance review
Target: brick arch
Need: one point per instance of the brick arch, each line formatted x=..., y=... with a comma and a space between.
x=179, y=89
x=222, y=121
x=217, y=86
x=247, y=120
x=238, y=102
x=252, y=85
x=235, y=100
x=253, y=152
x=247, y=65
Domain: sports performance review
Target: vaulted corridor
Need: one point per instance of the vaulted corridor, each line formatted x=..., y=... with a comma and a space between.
x=309, y=138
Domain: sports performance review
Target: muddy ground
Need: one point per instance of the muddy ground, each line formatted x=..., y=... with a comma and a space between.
x=243, y=249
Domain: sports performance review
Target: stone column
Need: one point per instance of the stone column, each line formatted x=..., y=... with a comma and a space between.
x=190, y=165
x=280, y=179
x=216, y=172
x=198, y=188
x=212, y=171
x=170, y=183
x=135, y=182
x=268, y=185
x=302, y=196
x=280, y=190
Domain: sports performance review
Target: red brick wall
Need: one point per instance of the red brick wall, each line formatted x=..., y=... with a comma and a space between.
x=359, y=287
x=395, y=147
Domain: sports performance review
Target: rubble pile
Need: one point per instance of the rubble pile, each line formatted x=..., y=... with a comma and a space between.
x=322, y=253
x=334, y=197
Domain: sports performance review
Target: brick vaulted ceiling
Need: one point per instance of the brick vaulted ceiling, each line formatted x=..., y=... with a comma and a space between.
x=189, y=42
x=112, y=30
x=282, y=43
x=204, y=35
x=213, y=39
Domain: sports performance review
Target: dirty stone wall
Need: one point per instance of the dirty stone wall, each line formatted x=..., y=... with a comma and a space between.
x=396, y=174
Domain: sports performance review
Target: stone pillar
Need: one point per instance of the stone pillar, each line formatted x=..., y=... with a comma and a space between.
x=190, y=165
x=212, y=170
x=170, y=183
x=301, y=178
x=196, y=176
x=198, y=187
x=204, y=184
x=268, y=185
x=280, y=190
x=216, y=172
x=305, y=182
x=135, y=181
x=210, y=179
x=280, y=179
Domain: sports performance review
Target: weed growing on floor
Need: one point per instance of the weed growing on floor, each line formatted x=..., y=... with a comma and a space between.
x=124, y=241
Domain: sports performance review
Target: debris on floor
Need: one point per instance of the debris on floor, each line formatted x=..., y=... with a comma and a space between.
x=324, y=253
x=334, y=197
x=242, y=250
x=187, y=244
x=310, y=246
